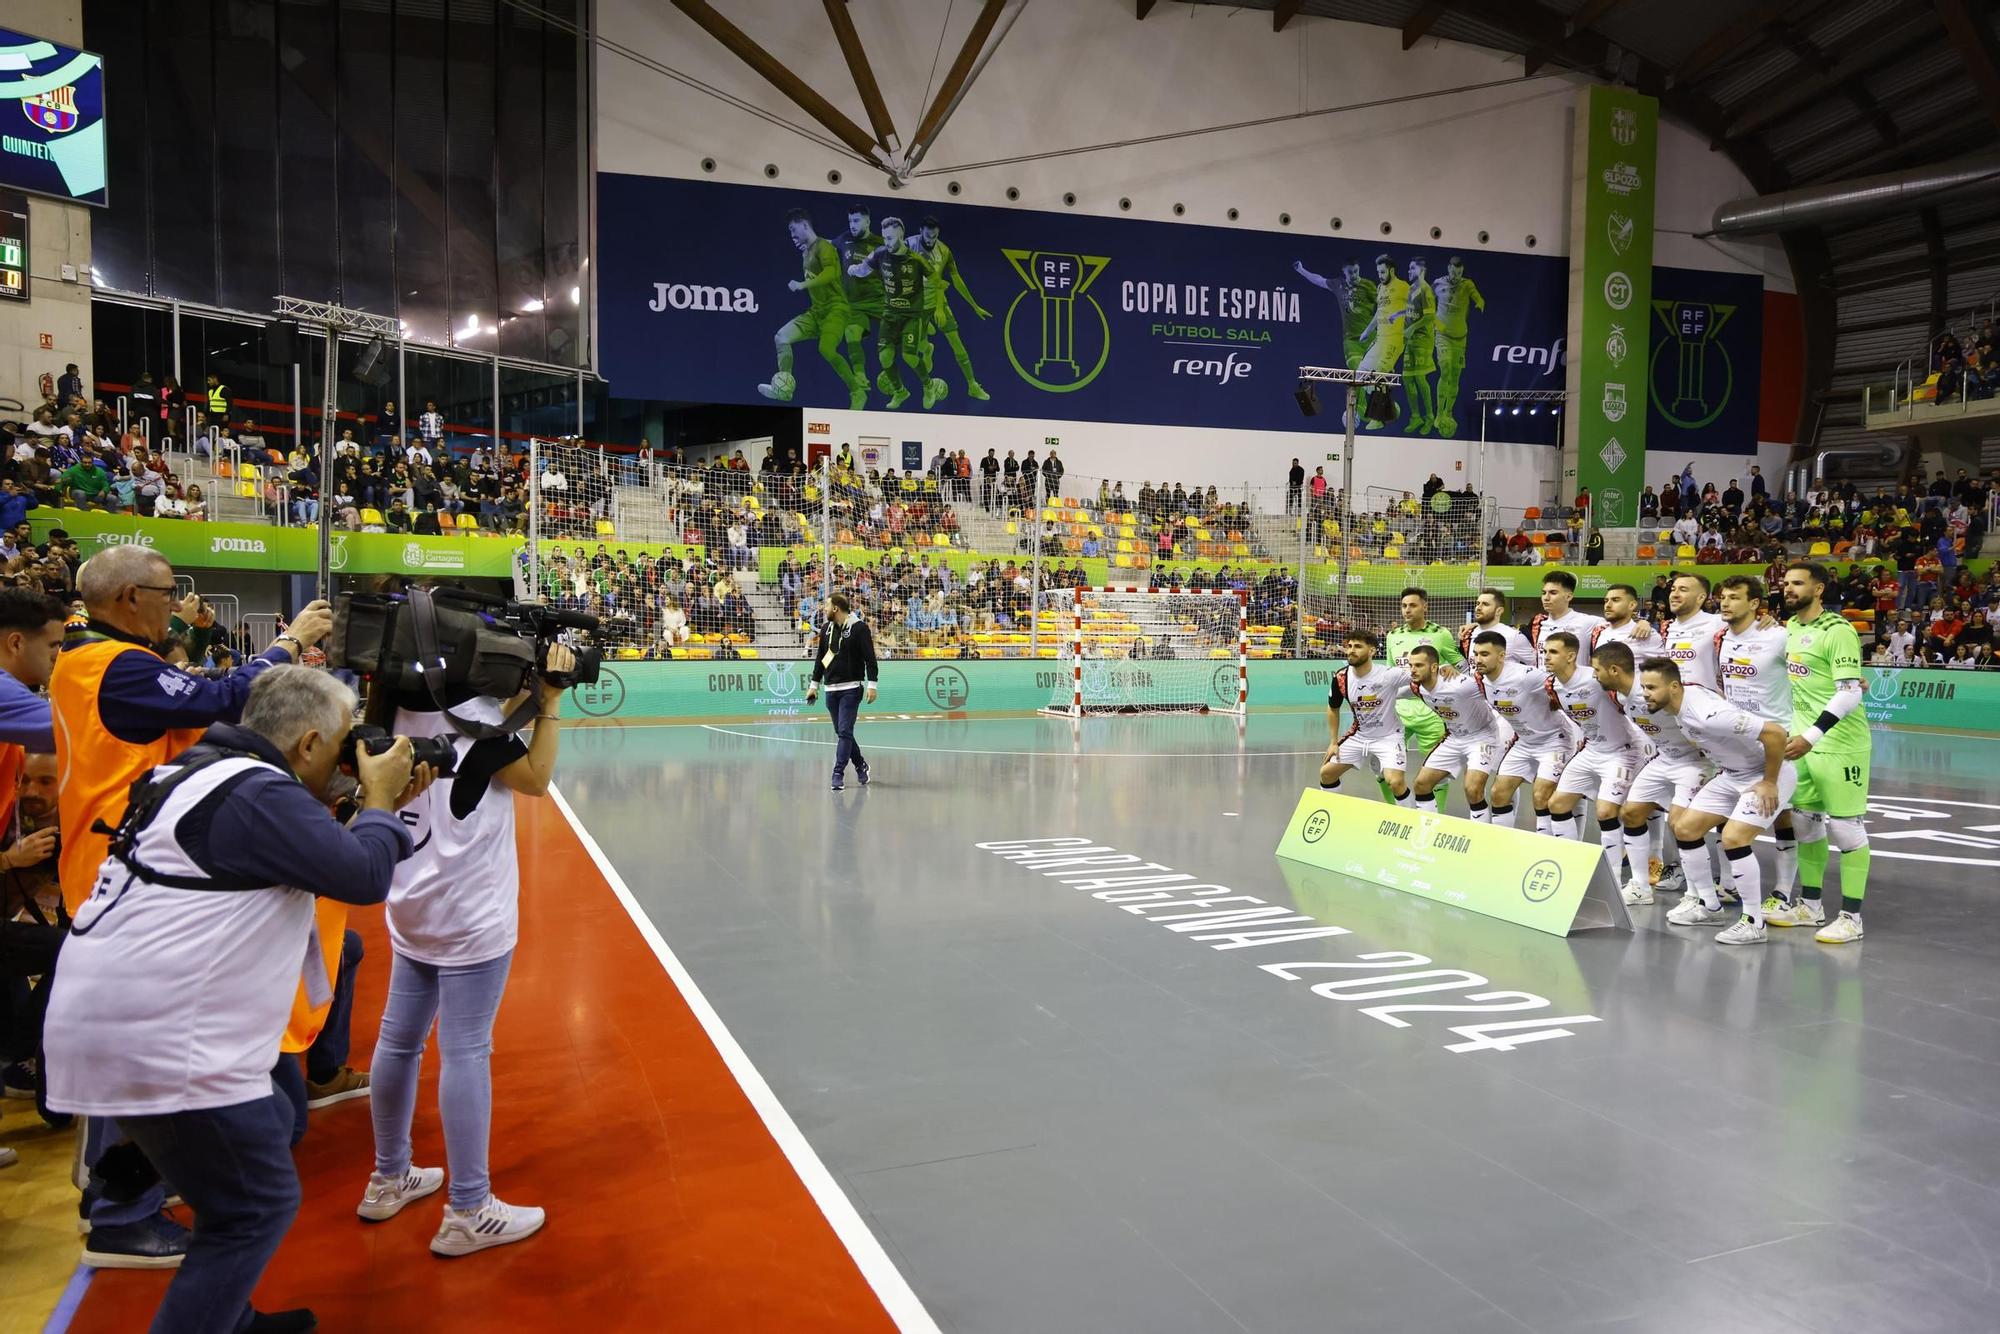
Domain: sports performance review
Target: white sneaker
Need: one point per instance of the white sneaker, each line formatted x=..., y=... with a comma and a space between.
x=1780, y=912
x=1690, y=912
x=1840, y=930
x=493, y=1224
x=1638, y=893
x=1728, y=894
x=1745, y=932
x=1673, y=880
x=386, y=1196
x=1809, y=912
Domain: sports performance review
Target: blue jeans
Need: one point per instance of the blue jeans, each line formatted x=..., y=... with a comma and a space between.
x=844, y=706
x=328, y=1052
x=233, y=1165
x=463, y=1001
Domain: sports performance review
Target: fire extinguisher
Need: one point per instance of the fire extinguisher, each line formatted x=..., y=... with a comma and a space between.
x=47, y=384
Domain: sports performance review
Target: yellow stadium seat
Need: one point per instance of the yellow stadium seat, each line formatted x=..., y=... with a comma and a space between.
x=1666, y=535
x=371, y=516
x=468, y=521
x=248, y=490
x=1013, y=529
x=1819, y=549
x=944, y=540
x=1392, y=553
x=746, y=652
x=1684, y=552
x=605, y=528
x=251, y=473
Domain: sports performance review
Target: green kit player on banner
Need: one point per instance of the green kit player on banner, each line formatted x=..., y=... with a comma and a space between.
x=1419, y=320
x=1455, y=293
x=825, y=321
x=1422, y=728
x=905, y=325
x=1356, y=296
x=1384, y=334
x=1830, y=748
x=864, y=292
x=944, y=275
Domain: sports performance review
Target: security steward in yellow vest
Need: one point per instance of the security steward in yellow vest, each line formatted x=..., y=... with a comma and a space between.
x=120, y=710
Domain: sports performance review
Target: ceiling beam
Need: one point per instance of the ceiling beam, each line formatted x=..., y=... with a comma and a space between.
x=1888, y=273
x=1882, y=324
x=954, y=80
x=740, y=44
x=1420, y=22
x=864, y=76
x=1284, y=12
x=1916, y=141
x=1940, y=264
x=1975, y=44
x=1578, y=22
x=1762, y=111
x=1146, y=7
x=1852, y=87
x=1728, y=38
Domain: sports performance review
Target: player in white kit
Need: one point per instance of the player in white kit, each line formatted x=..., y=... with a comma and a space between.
x=1476, y=738
x=1755, y=678
x=1752, y=784
x=1544, y=739
x=1370, y=691
x=1622, y=623
x=1693, y=637
x=1612, y=750
x=1669, y=778
x=1558, y=591
x=1488, y=609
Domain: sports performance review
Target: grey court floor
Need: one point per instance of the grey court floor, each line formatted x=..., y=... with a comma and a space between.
x=1060, y=1116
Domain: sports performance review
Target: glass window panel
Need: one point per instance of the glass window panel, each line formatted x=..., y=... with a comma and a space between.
x=127, y=341
x=119, y=235
x=181, y=165
x=469, y=198
x=306, y=163
x=237, y=354
x=422, y=291
x=517, y=160
x=367, y=156
x=246, y=145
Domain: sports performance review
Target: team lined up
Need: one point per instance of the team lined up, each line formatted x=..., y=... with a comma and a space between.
x=1712, y=727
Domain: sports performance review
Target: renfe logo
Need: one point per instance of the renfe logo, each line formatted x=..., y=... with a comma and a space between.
x=685, y=296
x=1548, y=358
x=1224, y=370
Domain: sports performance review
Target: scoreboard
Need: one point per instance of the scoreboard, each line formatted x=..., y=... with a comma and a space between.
x=52, y=120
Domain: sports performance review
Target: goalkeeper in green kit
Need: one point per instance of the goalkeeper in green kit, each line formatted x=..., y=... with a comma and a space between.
x=1419, y=320
x=1422, y=728
x=825, y=320
x=1356, y=296
x=944, y=277
x=864, y=295
x=1830, y=748
x=1455, y=293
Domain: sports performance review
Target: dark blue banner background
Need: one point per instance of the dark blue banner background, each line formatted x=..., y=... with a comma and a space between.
x=1231, y=361
x=1704, y=358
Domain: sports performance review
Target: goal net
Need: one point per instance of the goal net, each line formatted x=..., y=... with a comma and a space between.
x=1136, y=650
x=1360, y=559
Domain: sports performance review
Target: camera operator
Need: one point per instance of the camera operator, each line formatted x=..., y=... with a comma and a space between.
x=454, y=919
x=178, y=975
x=121, y=710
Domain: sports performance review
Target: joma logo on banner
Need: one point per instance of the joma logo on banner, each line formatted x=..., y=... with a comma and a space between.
x=703, y=298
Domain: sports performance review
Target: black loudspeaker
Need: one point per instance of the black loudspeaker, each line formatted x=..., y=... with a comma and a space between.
x=1381, y=406
x=372, y=366
x=281, y=342
x=1308, y=398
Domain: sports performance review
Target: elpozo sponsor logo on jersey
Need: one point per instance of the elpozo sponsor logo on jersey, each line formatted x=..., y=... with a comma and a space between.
x=703, y=298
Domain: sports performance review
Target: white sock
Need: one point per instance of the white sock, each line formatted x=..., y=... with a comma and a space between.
x=1700, y=877
x=1407, y=799
x=1567, y=826
x=1670, y=851
x=1658, y=840
x=1636, y=854
x=1544, y=822
x=1713, y=841
x=1480, y=811
x=1749, y=882
x=1503, y=815
x=1426, y=801
x=1788, y=868
x=1611, y=837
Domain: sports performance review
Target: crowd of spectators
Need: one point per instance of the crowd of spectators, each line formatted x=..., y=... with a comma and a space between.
x=71, y=452
x=1970, y=370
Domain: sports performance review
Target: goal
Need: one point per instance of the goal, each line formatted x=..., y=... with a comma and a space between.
x=1139, y=650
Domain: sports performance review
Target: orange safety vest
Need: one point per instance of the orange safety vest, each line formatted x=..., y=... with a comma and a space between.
x=94, y=769
x=330, y=925
x=13, y=761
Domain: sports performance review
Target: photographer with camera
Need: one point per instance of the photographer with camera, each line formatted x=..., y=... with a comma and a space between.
x=121, y=709
x=454, y=919
x=179, y=973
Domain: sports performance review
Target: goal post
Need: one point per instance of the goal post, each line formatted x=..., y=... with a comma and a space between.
x=1147, y=650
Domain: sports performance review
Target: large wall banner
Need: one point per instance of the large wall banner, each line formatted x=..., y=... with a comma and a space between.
x=1611, y=302
x=1703, y=364
x=1030, y=314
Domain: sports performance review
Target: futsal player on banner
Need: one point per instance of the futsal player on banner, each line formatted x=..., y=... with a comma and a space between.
x=1752, y=783
x=1370, y=691
x=1612, y=748
x=1476, y=738
x=1544, y=738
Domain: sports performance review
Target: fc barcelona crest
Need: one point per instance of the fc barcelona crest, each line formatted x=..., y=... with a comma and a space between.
x=53, y=112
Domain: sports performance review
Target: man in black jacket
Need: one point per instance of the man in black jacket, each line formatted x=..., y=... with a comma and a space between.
x=845, y=662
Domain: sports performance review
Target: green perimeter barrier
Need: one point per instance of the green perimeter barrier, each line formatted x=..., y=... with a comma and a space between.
x=259, y=546
x=775, y=688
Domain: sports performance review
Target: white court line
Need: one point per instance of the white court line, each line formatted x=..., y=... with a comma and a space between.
x=1093, y=755
x=891, y=1288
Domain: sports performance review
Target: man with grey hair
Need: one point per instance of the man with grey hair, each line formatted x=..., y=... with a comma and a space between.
x=121, y=709
x=177, y=979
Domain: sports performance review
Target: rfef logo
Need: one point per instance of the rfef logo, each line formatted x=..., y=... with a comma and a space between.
x=1704, y=375
x=1057, y=281
x=947, y=688
x=602, y=699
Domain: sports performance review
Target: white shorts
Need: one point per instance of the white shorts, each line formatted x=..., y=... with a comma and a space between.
x=1666, y=783
x=1607, y=773
x=1544, y=762
x=1375, y=753
x=1480, y=751
x=1728, y=794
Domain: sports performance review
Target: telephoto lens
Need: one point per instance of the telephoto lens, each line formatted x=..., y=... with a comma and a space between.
x=435, y=751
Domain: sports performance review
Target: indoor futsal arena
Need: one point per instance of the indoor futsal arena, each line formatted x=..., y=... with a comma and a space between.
x=999, y=666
